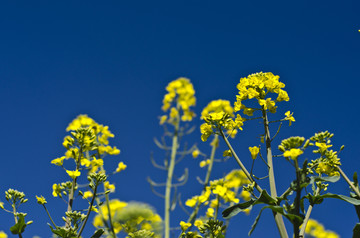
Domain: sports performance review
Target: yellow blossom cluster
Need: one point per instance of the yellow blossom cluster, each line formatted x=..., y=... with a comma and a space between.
x=129, y=217
x=328, y=162
x=258, y=86
x=178, y=100
x=317, y=230
x=223, y=189
x=115, y=206
x=216, y=121
x=220, y=110
x=87, y=145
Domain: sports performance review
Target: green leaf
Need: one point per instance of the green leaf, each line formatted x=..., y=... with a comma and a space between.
x=19, y=227
x=331, y=179
x=256, y=221
x=353, y=201
x=356, y=230
x=98, y=233
x=265, y=198
x=235, y=209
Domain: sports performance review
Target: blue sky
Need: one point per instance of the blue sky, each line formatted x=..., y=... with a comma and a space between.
x=112, y=61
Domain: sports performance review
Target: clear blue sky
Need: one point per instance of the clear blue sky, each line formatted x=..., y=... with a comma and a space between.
x=112, y=61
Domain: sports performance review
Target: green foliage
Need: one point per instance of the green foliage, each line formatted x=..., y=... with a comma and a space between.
x=19, y=227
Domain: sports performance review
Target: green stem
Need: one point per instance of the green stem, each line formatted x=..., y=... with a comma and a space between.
x=193, y=215
x=297, y=199
x=14, y=212
x=49, y=216
x=169, y=179
x=88, y=212
x=239, y=162
x=278, y=217
x=107, y=200
x=307, y=216
x=348, y=181
x=72, y=190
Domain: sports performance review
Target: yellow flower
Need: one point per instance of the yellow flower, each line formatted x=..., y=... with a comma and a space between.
x=289, y=117
x=210, y=212
x=247, y=211
x=56, y=190
x=254, y=151
x=87, y=194
x=174, y=113
x=282, y=96
x=1, y=205
x=195, y=153
x=322, y=146
x=192, y=201
x=268, y=104
x=163, y=119
x=218, y=106
x=80, y=121
x=109, y=186
x=73, y=174
x=206, y=131
x=293, y=153
x=204, y=163
x=180, y=92
x=121, y=167
x=245, y=195
x=198, y=223
x=324, y=168
x=184, y=225
x=98, y=221
x=58, y=161
x=41, y=200
x=3, y=234
x=221, y=190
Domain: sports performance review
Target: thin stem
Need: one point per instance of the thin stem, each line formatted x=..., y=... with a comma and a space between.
x=169, y=179
x=239, y=162
x=348, y=181
x=14, y=212
x=297, y=199
x=49, y=216
x=278, y=217
x=88, y=212
x=72, y=190
x=307, y=216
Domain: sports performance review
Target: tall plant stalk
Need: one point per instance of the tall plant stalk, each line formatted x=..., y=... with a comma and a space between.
x=278, y=217
x=169, y=178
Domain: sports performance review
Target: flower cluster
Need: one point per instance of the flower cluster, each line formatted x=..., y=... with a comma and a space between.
x=87, y=145
x=130, y=218
x=221, y=190
x=178, y=100
x=258, y=86
x=317, y=230
x=328, y=161
x=217, y=121
x=219, y=113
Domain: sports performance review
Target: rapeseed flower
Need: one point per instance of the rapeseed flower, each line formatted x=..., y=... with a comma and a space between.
x=254, y=151
x=293, y=153
x=179, y=99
